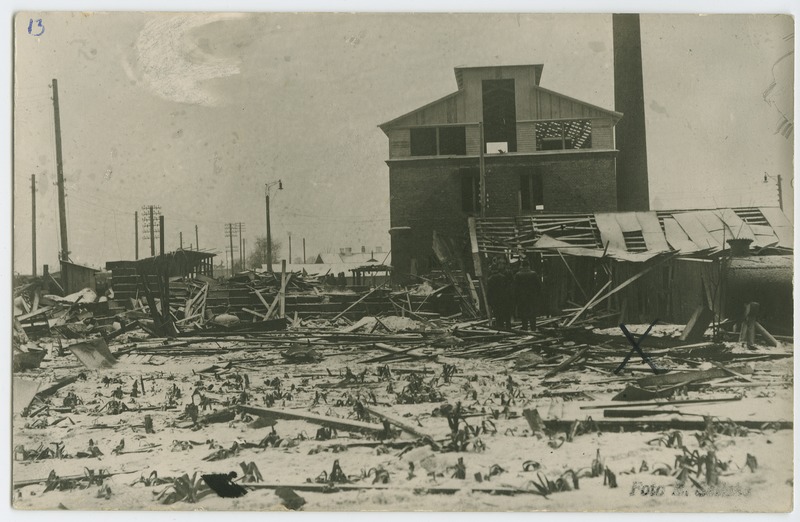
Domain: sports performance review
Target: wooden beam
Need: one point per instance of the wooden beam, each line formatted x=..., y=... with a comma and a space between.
x=588, y=304
x=627, y=282
x=429, y=490
x=358, y=301
x=332, y=422
x=253, y=312
x=261, y=298
x=282, y=293
x=569, y=268
x=402, y=425
x=566, y=363
x=768, y=336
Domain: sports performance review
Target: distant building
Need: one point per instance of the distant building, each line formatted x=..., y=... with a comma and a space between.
x=355, y=265
x=75, y=277
x=544, y=152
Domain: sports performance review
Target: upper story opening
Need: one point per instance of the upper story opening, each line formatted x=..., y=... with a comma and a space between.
x=518, y=115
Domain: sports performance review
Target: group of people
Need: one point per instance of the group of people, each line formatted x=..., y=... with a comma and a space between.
x=514, y=293
x=338, y=281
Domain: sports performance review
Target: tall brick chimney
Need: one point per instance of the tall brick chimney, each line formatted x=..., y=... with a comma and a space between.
x=631, y=140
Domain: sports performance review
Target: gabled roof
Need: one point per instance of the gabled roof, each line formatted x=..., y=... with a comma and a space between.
x=384, y=126
x=614, y=114
x=587, y=109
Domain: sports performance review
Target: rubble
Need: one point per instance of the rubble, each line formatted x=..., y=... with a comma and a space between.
x=473, y=412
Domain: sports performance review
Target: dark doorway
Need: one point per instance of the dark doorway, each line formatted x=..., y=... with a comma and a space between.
x=499, y=113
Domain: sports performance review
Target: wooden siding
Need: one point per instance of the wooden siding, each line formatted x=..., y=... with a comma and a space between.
x=473, y=140
x=449, y=109
x=526, y=136
x=602, y=133
x=399, y=143
x=547, y=105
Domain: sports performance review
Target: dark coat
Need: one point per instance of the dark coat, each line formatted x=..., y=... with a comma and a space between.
x=499, y=292
x=527, y=289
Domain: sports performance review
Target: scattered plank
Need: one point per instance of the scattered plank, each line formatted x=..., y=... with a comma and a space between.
x=698, y=324
x=683, y=378
x=331, y=422
x=663, y=403
x=771, y=340
x=402, y=425
x=363, y=297
x=568, y=362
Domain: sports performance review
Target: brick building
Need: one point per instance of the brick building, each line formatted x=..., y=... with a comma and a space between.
x=543, y=152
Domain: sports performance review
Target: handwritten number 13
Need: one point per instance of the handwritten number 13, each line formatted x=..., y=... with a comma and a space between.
x=38, y=25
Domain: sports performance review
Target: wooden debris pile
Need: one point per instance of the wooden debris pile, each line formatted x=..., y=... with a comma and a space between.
x=391, y=403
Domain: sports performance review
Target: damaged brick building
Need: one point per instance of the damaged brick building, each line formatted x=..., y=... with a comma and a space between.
x=543, y=152
x=567, y=186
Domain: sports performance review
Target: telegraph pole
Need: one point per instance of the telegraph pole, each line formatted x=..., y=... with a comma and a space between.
x=180, y=234
x=269, y=235
x=62, y=207
x=136, y=231
x=152, y=234
x=482, y=172
x=230, y=231
x=161, y=235
x=33, y=222
x=151, y=212
x=241, y=244
x=196, y=238
x=269, y=231
x=165, y=310
x=290, y=247
x=244, y=254
x=304, y=251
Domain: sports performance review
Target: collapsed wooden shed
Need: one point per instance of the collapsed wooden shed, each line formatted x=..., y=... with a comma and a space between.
x=670, y=262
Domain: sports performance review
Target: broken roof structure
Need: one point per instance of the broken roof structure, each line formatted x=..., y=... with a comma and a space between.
x=633, y=236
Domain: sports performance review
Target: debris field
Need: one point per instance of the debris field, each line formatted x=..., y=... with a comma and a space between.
x=392, y=411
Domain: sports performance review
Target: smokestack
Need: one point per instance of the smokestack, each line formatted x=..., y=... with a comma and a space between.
x=631, y=141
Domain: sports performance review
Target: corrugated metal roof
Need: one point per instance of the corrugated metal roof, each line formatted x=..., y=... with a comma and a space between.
x=633, y=236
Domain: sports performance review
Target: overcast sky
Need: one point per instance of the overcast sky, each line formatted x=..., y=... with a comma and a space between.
x=196, y=112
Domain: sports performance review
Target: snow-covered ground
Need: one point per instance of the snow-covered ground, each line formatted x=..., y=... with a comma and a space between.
x=172, y=450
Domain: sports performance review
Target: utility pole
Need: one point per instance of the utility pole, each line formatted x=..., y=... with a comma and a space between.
x=136, y=231
x=161, y=235
x=230, y=231
x=269, y=235
x=62, y=207
x=196, y=238
x=151, y=227
x=290, y=247
x=482, y=172
x=165, y=310
x=304, y=251
x=152, y=234
x=269, y=231
x=244, y=254
x=241, y=244
x=180, y=235
x=33, y=222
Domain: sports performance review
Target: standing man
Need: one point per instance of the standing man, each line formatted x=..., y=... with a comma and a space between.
x=499, y=295
x=526, y=290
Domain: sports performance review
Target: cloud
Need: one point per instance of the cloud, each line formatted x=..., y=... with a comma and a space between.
x=173, y=64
